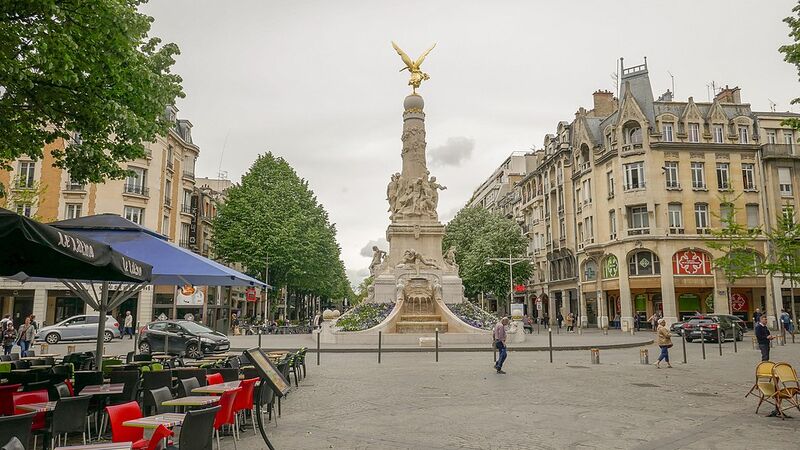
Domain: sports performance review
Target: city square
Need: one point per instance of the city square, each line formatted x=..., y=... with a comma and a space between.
x=291, y=252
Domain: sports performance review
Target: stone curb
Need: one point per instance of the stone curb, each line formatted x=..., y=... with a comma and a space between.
x=464, y=349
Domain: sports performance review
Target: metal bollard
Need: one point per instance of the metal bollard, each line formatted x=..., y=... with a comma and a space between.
x=703, y=342
x=735, y=338
x=683, y=339
x=380, y=337
x=644, y=356
x=437, y=345
x=259, y=337
x=550, y=338
x=595, y=355
x=318, y=348
x=71, y=349
x=719, y=339
x=605, y=331
x=754, y=342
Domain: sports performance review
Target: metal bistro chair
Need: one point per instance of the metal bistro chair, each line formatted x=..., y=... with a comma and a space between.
x=764, y=385
x=197, y=431
x=17, y=426
x=185, y=386
x=787, y=386
x=154, y=398
x=68, y=418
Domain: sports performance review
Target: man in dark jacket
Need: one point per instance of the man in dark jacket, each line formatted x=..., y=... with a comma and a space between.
x=763, y=337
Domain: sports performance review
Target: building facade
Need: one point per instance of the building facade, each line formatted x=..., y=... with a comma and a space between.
x=161, y=194
x=620, y=203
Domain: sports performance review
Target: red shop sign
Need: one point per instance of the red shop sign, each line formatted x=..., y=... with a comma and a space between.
x=690, y=262
x=739, y=302
x=250, y=295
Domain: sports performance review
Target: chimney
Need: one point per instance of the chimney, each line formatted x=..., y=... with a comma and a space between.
x=604, y=104
x=729, y=95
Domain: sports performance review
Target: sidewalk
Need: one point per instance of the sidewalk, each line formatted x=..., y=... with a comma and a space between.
x=563, y=341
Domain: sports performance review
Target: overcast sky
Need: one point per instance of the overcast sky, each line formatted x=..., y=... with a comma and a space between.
x=318, y=84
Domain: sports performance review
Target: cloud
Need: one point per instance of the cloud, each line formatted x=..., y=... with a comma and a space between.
x=367, y=249
x=456, y=150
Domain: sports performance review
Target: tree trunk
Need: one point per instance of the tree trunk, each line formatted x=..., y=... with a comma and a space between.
x=791, y=300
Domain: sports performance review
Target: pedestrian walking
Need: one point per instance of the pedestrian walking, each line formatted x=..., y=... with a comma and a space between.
x=756, y=316
x=559, y=319
x=763, y=337
x=570, y=322
x=25, y=336
x=786, y=321
x=664, y=339
x=616, y=323
x=499, y=336
x=5, y=321
x=129, y=324
x=9, y=336
x=653, y=322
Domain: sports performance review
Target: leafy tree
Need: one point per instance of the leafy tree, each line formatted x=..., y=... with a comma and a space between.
x=25, y=195
x=785, y=243
x=791, y=54
x=272, y=213
x=478, y=235
x=734, y=241
x=362, y=291
x=72, y=66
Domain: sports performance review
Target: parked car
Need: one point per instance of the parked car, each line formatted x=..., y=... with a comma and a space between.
x=181, y=337
x=79, y=327
x=711, y=327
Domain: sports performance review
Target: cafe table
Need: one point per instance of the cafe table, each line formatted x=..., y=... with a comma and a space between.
x=38, y=407
x=191, y=400
x=218, y=356
x=100, y=446
x=217, y=389
x=169, y=420
x=103, y=389
x=46, y=355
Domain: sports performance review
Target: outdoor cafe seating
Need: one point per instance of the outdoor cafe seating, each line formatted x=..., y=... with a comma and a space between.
x=776, y=383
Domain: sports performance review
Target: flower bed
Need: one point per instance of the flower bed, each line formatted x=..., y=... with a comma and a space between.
x=364, y=316
x=473, y=315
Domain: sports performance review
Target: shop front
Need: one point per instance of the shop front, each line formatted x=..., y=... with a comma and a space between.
x=18, y=303
x=694, y=283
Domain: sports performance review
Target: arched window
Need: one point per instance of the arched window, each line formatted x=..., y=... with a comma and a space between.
x=632, y=133
x=610, y=267
x=691, y=262
x=589, y=270
x=644, y=262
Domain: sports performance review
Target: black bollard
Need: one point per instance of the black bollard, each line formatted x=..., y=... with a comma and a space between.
x=735, y=338
x=720, y=335
x=380, y=336
x=437, y=345
x=550, y=338
x=683, y=339
x=318, y=348
x=259, y=337
x=136, y=339
x=703, y=341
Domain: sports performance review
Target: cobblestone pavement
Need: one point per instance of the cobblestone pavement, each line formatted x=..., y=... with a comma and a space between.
x=411, y=401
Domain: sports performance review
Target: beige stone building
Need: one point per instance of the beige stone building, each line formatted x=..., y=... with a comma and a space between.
x=619, y=204
x=162, y=194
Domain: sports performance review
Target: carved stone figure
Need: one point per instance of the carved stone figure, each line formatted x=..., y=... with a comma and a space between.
x=413, y=260
x=433, y=192
x=377, y=259
x=437, y=291
x=450, y=258
x=392, y=190
x=400, y=290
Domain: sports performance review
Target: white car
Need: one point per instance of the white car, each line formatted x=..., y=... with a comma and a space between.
x=77, y=328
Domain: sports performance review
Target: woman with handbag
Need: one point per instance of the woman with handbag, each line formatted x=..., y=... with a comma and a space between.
x=665, y=342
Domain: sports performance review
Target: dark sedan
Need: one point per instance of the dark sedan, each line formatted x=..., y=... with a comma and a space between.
x=711, y=328
x=182, y=337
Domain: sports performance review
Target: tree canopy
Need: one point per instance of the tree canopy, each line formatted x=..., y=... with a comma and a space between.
x=478, y=235
x=72, y=66
x=791, y=54
x=273, y=214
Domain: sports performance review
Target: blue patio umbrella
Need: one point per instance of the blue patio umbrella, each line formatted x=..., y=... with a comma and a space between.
x=172, y=265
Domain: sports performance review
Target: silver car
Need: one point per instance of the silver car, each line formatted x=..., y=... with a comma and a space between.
x=78, y=327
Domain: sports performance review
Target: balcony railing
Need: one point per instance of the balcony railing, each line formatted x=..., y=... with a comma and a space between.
x=184, y=243
x=186, y=209
x=778, y=150
x=169, y=164
x=585, y=167
x=638, y=231
x=673, y=185
x=676, y=230
x=167, y=201
x=189, y=175
x=74, y=187
x=135, y=189
x=633, y=187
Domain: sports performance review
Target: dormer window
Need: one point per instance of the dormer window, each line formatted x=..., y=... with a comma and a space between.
x=743, y=134
x=718, y=134
x=667, y=133
x=694, y=132
x=632, y=133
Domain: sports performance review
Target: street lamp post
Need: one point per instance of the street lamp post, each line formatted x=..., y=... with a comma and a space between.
x=510, y=262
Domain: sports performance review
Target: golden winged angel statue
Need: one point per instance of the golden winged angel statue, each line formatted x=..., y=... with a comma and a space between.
x=417, y=75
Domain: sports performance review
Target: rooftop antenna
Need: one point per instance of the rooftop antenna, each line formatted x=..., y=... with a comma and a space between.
x=672, y=77
x=772, y=105
x=222, y=154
